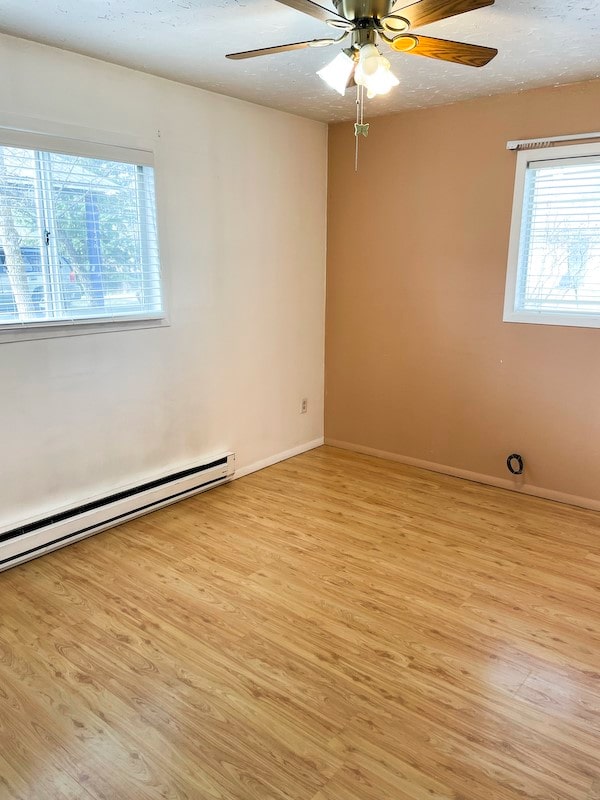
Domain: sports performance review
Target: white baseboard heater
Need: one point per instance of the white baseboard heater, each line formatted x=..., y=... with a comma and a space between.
x=37, y=537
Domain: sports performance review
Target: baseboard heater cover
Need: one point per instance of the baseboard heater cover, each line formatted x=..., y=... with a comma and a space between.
x=37, y=537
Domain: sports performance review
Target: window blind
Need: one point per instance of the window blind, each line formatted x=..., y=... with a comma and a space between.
x=559, y=252
x=78, y=238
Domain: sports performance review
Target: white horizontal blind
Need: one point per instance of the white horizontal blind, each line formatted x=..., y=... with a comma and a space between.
x=78, y=239
x=559, y=251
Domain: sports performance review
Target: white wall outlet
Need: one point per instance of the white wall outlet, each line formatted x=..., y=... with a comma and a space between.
x=304, y=406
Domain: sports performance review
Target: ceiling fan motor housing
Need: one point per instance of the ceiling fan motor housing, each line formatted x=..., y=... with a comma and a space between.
x=363, y=36
x=363, y=9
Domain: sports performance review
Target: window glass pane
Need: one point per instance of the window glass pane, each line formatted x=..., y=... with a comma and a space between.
x=559, y=260
x=22, y=276
x=77, y=238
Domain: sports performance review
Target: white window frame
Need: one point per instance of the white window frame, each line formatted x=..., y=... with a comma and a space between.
x=511, y=313
x=35, y=134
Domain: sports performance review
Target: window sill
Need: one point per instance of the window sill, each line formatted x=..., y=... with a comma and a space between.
x=54, y=330
x=545, y=318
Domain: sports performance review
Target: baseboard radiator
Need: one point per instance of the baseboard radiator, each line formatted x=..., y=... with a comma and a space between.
x=37, y=537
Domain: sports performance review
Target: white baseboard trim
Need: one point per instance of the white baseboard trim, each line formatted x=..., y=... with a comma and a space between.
x=478, y=477
x=268, y=462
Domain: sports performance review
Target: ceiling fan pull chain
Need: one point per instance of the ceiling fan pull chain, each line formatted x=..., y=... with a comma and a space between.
x=356, y=127
x=362, y=103
x=360, y=128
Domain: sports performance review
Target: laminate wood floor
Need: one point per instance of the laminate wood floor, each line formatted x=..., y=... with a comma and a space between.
x=336, y=627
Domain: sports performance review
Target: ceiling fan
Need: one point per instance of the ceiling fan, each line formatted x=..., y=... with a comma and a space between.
x=365, y=21
x=392, y=21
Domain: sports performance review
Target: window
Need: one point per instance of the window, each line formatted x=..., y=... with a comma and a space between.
x=554, y=257
x=78, y=240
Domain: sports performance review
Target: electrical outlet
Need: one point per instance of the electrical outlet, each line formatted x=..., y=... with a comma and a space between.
x=304, y=406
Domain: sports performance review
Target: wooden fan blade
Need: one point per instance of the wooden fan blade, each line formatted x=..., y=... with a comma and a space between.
x=282, y=48
x=471, y=55
x=314, y=10
x=426, y=11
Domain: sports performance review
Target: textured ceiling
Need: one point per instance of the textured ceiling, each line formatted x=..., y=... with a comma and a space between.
x=541, y=43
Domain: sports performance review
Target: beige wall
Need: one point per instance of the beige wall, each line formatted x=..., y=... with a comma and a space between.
x=418, y=361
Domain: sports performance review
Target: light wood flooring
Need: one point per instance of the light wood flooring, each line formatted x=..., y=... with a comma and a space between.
x=336, y=627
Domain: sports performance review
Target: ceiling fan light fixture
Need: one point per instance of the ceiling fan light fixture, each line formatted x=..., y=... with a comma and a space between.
x=394, y=23
x=338, y=72
x=341, y=24
x=373, y=71
x=403, y=43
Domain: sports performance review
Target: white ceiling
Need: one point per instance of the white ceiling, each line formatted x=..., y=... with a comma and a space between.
x=542, y=42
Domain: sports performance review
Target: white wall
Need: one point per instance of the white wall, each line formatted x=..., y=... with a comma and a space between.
x=242, y=213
